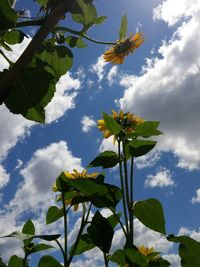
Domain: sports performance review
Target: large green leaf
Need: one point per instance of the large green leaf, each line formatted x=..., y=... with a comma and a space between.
x=40, y=247
x=85, y=243
x=147, y=129
x=75, y=42
x=28, y=228
x=107, y=159
x=111, y=124
x=16, y=261
x=22, y=236
x=101, y=232
x=13, y=37
x=49, y=261
x=53, y=214
x=123, y=27
x=8, y=16
x=138, y=148
x=100, y=20
x=58, y=57
x=189, y=250
x=150, y=213
x=88, y=12
x=32, y=92
x=114, y=219
x=134, y=256
x=119, y=257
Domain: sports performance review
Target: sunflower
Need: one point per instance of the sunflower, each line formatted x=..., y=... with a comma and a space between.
x=127, y=121
x=75, y=175
x=122, y=48
x=146, y=250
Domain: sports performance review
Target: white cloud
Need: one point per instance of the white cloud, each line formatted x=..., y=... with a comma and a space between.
x=12, y=129
x=148, y=160
x=189, y=232
x=112, y=74
x=196, y=199
x=4, y=177
x=174, y=259
x=99, y=68
x=161, y=179
x=168, y=88
x=107, y=144
x=64, y=98
x=19, y=164
x=87, y=123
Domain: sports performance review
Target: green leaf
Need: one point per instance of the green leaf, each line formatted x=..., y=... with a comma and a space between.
x=28, y=228
x=150, y=213
x=119, y=257
x=114, y=219
x=136, y=257
x=22, y=236
x=15, y=261
x=8, y=15
x=58, y=57
x=13, y=37
x=123, y=27
x=100, y=20
x=53, y=214
x=85, y=243
x=159, y=262
x=147, y=129
x=107, y=159
x=75, y=42
x=138, y=148
x=89, y=12
x=49, y=261
x=32, y=92
x=2, y=264
x=111, y=124
x=41, y=247
x=189, y=250
x=101, y=239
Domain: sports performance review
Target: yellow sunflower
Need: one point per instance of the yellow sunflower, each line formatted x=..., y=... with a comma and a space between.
x=122, y=48
x=127, y=121
x=75, y=175
x=146, y=250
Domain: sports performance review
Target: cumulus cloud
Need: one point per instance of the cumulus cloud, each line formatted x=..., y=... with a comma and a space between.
x=161, y=179
x=196, y=199
x=190, y=232
x=148, y=160
x=174, y=259
x=168, y=88
x=64, y=98
x=99, y=68
x=4, y=177
x=87, y=123
x=112, y=74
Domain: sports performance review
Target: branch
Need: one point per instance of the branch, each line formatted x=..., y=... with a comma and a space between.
x=13, y=74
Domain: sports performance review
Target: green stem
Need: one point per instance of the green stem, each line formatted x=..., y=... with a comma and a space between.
x=62, y=250
x=80, y=33
x=27, y=23
x=25, y=260
x=83, y=224
x=131, y=202
x=105, y=259
x=65, y=229
x=122, y=188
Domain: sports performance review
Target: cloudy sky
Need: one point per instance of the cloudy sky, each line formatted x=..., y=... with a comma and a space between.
x=160, y=81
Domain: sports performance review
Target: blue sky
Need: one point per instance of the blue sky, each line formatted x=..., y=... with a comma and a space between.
x=160, y=81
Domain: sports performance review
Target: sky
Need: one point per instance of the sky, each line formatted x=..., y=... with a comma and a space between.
x=160, y=81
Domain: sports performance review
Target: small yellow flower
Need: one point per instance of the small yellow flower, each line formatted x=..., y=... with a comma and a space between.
x=122, y=48
x=146, y=250
x=75, y=175
x=127, y=121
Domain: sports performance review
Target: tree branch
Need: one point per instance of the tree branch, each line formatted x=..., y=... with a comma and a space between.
x=13, y=74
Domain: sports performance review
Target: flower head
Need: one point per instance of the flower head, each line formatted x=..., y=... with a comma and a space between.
x=127, y=121
x=122, y=48
x=75, y=175
x=146, y=250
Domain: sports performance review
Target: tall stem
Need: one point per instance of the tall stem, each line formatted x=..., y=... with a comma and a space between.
x=131, y=202
x=122, y=187
x=65, y=230
x=105, y=259
x=62, y=250
x=83, y=224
